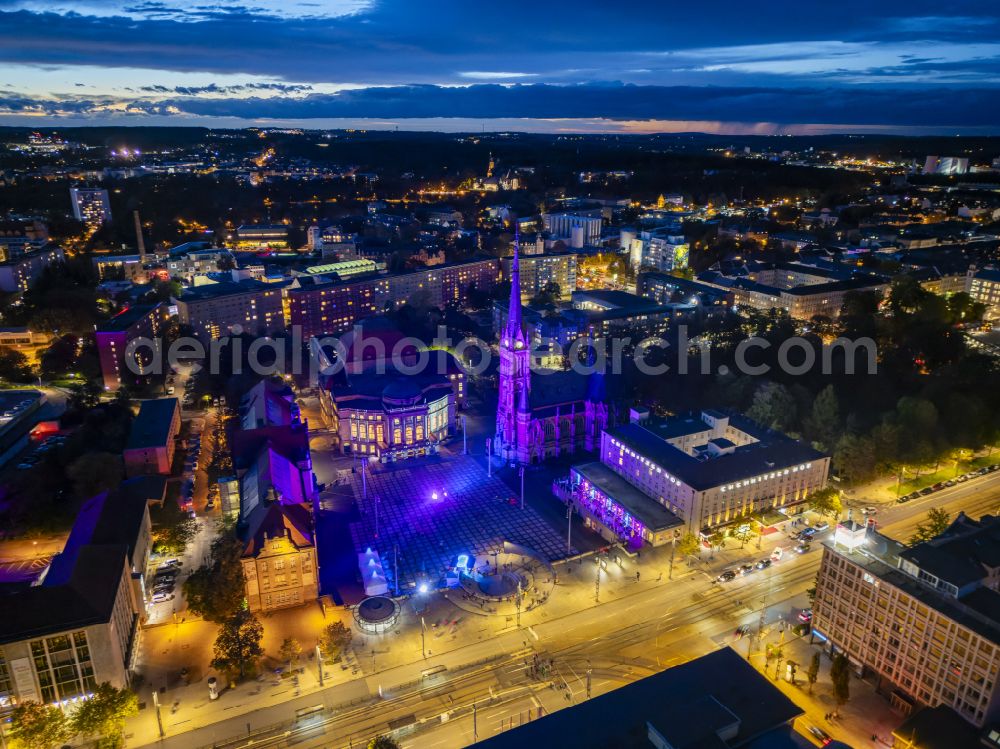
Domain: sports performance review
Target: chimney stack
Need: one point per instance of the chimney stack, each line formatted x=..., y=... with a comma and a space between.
x=138, y=238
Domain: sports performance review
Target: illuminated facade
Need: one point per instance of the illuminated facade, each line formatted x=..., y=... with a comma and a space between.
x=391, y=417
x=715, y=469
x=217, y=309
x=320, y=308
x=91, y=205
x=112, y=338
x=921, y=620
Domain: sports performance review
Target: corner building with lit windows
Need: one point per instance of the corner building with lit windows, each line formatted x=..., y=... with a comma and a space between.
x=710, y=469
x=924, y=621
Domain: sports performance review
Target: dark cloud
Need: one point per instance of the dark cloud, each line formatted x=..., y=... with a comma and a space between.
x=937, y=108
x=213, y=88
x=890, y=61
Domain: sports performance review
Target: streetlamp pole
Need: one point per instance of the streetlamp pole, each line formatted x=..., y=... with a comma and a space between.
x=159, y=718
x=465, y=443
x=319, y=664
x=673, y=551
x=489, y=457
x=569, y=525
x=423, y=645
x=597, y=583
x=522, y=487
x=517, y=602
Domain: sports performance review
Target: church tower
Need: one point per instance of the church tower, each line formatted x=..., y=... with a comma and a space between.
x=513, y=409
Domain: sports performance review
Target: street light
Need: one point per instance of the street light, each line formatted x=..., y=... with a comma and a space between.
x=522, y=487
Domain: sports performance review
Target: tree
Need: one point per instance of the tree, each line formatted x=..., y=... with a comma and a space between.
x=824, y=418
x=812, y=673
x=104, y=715
x=717, y=540
x=840, y=675
x=290, y=650
x=85, y=396
x=216, y=590
x=237, y=646
x=14, y=365
x=383, y=742
x=773, y=406
x=37, y=726
x=825, y=501
x=335, y=638
x=688, y=545
x=93, y=473
x=937, y=523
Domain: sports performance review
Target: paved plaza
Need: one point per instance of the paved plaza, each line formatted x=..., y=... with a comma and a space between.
x=432, y=510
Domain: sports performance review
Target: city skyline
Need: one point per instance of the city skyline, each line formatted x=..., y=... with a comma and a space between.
x=887, y=67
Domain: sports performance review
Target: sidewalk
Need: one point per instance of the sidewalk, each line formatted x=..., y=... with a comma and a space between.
x=866, y=714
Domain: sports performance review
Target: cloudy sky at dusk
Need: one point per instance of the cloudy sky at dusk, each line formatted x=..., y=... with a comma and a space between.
x=804, y=66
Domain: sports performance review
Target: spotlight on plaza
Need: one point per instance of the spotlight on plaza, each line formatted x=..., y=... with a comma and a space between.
x=422, y=588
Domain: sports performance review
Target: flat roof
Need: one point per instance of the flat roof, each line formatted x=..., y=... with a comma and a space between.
x=772, y=452
x=128, y=318
x=640, y=505
x=151, y=428
x=619, y=718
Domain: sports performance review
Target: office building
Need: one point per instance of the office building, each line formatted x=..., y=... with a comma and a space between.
x=538, y=271
x=576, y=228
x=112, y=338
x=217, y=309
x=717, y=701
x=946, y=165
x=923, y=621
x=712, y=469
x=664, y=288
x=803, y=291
x=150, y=447
x=19, y=273
x=261, y=237
x=91, y=205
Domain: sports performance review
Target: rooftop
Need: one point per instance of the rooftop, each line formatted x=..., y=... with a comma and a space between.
x=771, y=452
x=728, y=696
x=151, y=428
x=126, y=319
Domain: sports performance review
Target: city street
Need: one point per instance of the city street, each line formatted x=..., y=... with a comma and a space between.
x=637, y=628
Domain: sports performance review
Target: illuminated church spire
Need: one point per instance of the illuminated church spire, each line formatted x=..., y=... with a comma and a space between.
x=514, y=330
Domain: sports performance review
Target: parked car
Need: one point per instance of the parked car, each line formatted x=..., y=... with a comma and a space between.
x=821, y=526
x=806, y=615
x=926, y=490
x=869, y=511
x=746, y=569
x=162, y=597
x=820, y=735
x=763, y=564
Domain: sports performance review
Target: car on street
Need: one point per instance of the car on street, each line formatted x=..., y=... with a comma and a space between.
x=820, y=735
x=726, y=576
x=806, y=615
x=746, y=569
x=926, y=490
x=741, y=631
x=763, y=564
x=820, y=527
x=802, y=548
x=162, y=597
x=869, y=511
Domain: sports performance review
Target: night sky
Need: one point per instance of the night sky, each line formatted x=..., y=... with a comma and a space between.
x=853, y=65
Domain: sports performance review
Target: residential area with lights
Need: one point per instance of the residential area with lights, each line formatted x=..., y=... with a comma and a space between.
x=439, y=406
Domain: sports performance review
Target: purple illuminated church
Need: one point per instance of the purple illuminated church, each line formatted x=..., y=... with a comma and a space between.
x=543, y=414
